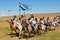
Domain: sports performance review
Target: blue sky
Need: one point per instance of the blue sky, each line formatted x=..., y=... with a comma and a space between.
x=38, y=6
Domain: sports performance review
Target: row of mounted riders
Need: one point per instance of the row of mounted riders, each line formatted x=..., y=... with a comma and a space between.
x=32, y=24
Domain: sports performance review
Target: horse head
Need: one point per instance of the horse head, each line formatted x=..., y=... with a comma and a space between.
x=10, y=21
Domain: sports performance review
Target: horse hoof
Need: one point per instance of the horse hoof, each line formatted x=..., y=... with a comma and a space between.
x=19, y=38
x=11, y=37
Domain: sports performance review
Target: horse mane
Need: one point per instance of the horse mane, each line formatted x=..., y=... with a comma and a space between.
x=12, y=21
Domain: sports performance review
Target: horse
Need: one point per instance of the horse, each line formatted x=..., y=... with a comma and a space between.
x=55, y=24
x=26, y=27
x=48, y=24
x=38, y=26
x=34, y=29
x=12, y=27
x=43, y=24
x=32, y=23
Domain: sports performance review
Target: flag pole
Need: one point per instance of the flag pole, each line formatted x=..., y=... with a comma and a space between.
x=31, y=9
x=24, y=14
x=19, y=7
x=9, y=12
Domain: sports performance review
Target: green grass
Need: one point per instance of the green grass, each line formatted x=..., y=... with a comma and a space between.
x=4, y=29
x=50, y=35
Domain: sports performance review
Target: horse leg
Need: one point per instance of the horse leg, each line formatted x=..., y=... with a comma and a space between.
x=11, y=33
x=36, y=28
x=16, y=32
x=29, y=32
x=20, y=33
x=36, y=31
x=46, y=28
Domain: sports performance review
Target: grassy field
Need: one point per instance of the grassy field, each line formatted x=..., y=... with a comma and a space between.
x=50, y=35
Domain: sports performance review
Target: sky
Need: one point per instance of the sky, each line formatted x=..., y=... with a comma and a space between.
x=38, y=6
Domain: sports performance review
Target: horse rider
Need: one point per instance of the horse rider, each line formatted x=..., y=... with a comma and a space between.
x=55, y=22
x=31, y=18
x=42, y=20
x=48, y=21
x=22, y=17
x=15, y=20
x=24, y=22
x=43, y=23
x=57, y=18
x=34, y=24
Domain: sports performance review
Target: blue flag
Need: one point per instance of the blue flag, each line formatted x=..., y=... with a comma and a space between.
x=26, y=6
x=23, y=6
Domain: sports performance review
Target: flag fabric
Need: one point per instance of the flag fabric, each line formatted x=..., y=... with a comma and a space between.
x=24, y=6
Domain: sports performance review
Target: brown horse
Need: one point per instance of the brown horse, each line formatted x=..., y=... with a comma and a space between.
x=12, y=27
x=38, y=26
x=31, y=29
x=26, y=27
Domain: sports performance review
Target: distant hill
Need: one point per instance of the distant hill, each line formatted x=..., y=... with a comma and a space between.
x=37, y=15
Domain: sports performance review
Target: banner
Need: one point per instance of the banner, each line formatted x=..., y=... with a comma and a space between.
x=23, y=6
